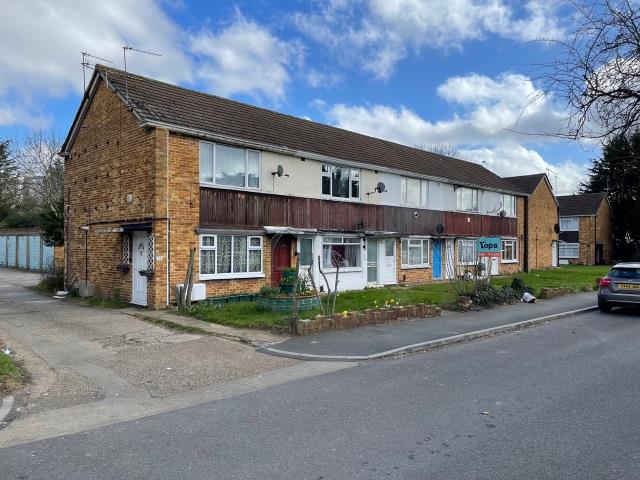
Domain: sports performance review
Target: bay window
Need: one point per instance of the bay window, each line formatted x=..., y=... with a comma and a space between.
x=341, y=182
x=230, y=256
x=466, y=199
x=413, y=192
x=509, y=250
x=415, y=253
x=229, y=166
x=343, y=251
x=466, y=252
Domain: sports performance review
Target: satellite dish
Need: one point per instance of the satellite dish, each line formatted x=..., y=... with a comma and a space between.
x=381, y=187
x=440, y=228
x=280, y=170
x=502, y=213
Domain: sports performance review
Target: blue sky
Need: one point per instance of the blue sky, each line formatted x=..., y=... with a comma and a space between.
x=432, y=72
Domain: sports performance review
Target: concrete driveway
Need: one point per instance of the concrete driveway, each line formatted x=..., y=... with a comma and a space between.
x=95, y=366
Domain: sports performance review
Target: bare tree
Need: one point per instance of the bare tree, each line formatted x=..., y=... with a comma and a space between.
x=41, y=171
x=446, y=149
x=596, y=70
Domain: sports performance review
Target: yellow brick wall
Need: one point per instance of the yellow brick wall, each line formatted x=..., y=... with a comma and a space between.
x=543, y=216
x=110, y=159
x=411, y=276
x=604, y=230
x=587, y=240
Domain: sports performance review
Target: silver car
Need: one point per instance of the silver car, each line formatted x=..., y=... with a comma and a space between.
x=620, y=288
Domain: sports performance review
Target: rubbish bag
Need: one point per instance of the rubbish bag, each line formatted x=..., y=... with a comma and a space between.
x=528, y=298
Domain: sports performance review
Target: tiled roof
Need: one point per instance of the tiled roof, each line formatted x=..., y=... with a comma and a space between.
x=161, y=102
x=526, y=183
x=582, y=204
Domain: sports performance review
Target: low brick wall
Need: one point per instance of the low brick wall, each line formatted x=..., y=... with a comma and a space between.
x=285, y=304
x=365, y=317
x=546, y=293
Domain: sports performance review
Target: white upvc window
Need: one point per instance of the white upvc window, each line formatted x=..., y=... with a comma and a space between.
x=569, y=250
x=340, y=182
x=466, y=199
x=230, y=256
x=569, y=224
x=509, y=205
x=229, y=166
x=413, y=192
x=466, y=252
x=509, y=250
x=343, y=251
x=415, y=253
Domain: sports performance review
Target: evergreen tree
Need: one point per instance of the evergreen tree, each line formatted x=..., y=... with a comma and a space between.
x=617, y=174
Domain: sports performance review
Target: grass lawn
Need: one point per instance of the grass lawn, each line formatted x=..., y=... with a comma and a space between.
x=12, y=375
x=576, y=277
x=249, y=315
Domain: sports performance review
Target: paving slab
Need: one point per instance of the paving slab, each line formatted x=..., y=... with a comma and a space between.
x=358, y=343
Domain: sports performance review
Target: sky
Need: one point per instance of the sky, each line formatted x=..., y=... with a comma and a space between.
x=455, y=73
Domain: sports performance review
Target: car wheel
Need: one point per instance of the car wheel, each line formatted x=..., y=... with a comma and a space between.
x=604, y=307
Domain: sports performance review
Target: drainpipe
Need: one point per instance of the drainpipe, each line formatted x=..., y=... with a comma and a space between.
x=526, y=234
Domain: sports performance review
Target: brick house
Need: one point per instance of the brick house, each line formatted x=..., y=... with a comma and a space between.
x=540, y=217
x=152, y=169
x=586, y=229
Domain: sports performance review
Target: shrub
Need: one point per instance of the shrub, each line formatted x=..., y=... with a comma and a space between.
x=268, y=291
x=488, y=296
x=51, y=281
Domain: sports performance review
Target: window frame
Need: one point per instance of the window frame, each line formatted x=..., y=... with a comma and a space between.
x=305, y=239
x=513, y=204
x=404, y=263
x=232, y=274
x=213, y=183
x=474, y=199
x=473, y=243
x=423, y=194
x=514, y=242
x=574, y=220
x=340, y=240
x=569, y=245
x=355, y=175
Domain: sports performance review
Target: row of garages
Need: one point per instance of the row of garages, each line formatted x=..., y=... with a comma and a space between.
x=25, y=250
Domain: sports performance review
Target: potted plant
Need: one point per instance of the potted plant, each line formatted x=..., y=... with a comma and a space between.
x=288, y=279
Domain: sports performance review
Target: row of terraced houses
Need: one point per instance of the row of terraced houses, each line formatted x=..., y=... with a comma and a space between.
x=153, y=170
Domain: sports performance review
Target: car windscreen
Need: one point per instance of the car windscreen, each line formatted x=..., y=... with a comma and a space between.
x=627, y=273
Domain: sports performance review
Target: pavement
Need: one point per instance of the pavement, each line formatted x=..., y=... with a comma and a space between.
x=556, y=402
x=376, y=341
x=93, y=366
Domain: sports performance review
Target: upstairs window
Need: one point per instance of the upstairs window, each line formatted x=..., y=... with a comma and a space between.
x=341, y=182
x=413, y=192
x=509, y=205
x=229, y=166
x=569, y=224
x=466, y=199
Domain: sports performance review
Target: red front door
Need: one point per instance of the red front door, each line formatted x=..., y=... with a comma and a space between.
x=281, y=258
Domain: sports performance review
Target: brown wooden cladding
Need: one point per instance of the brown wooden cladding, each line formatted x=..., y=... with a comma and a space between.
x=231, y=208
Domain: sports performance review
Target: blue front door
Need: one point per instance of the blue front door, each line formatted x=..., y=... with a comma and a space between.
x=437, y=259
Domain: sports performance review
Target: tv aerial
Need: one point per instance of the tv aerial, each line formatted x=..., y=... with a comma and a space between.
x=124, y=55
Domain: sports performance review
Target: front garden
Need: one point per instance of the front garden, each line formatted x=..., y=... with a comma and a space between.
x=250, y=314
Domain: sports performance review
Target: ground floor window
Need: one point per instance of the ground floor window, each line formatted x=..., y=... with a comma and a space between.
x=229, y=256
x=466, y=252
x=509, y=250
x=342, y=251
x=415, y=252
x=569, y=250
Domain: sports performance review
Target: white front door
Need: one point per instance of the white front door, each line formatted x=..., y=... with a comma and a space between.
x=449, y=270
x=554, y=254
x=372, y=261
x=388, y=261
x=494, y=266
x=139, y=262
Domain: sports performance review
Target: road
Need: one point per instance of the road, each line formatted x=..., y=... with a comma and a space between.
x=555, y=401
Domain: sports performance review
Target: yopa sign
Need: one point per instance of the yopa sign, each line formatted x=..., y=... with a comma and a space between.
x=488, y=246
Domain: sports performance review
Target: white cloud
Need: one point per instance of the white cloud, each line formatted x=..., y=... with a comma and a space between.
x=491, y=112
x=317, y=79
x=245, y=58
x=40, y=43
x=377, y=34
x=19, y=114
